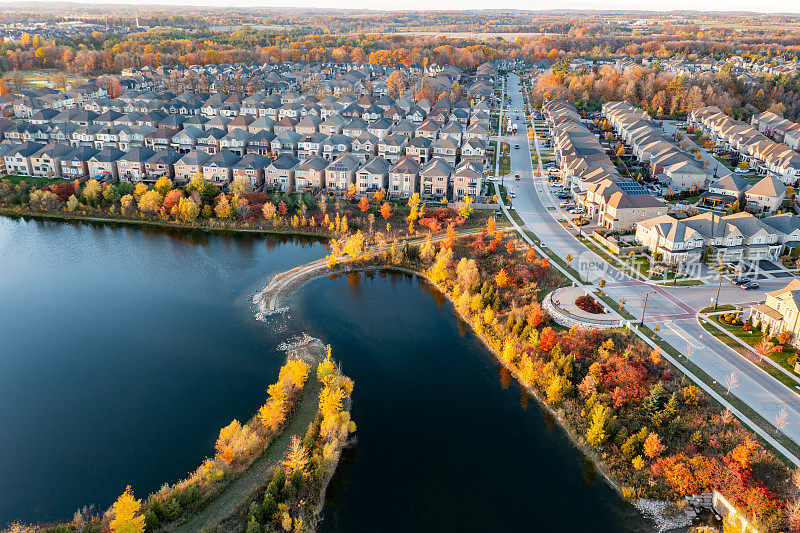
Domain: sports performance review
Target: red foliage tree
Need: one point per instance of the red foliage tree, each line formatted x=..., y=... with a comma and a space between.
x=547, y=339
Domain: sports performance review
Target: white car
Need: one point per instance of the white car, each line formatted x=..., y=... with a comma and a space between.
x=557, y=185
x=565, y=204
x=576, y=211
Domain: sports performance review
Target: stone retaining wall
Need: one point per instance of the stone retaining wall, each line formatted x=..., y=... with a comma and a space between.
x=562, y=318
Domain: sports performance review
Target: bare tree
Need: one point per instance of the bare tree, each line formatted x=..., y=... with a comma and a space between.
x=781, y=419
x=731, y=382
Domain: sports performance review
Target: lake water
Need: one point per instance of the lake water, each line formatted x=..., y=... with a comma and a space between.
x=123, y=351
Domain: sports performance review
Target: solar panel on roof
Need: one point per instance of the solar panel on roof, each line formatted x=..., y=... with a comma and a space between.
x=632, y=188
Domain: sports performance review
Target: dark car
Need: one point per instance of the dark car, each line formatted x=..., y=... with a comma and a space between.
x=516, y=147
x=750, y=286
x=516, y=177
x=741, y=281
x=563, y=196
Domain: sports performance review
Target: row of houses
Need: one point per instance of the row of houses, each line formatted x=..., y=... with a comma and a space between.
x=668, y=164
x=589, y=174
x=436, y=179
x=736, y=237
x=778, y=128
x=241, y=134
x=759, y=151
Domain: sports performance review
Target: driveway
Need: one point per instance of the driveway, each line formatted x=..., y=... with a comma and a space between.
x=672, y=308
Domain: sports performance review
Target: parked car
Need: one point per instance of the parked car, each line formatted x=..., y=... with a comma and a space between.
x=563, y=196
x=516, y=147
x=516, y=177
x=565, y=204
x=557, y=185
x=741, y=281
x=750, y=286
x=576, y=211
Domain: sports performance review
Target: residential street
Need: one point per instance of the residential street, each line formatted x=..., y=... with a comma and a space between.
x=672, y=308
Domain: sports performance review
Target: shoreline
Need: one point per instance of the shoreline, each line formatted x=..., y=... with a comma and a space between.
x=164, y=225
x=283, y=285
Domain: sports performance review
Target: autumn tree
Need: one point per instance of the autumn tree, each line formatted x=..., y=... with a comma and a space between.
x=414, y=205
x=386, y=210
x=363, y=204
x=125, y=511
x=296, y=458
x=163, y=185
x=150, y=202
x=501, y=279
x=240, y=186
x=465, y=208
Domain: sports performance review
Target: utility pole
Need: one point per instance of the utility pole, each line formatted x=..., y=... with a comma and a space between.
x=719, y=287
x=644, y=307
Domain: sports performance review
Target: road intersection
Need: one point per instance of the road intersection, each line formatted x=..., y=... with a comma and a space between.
x=673, y=308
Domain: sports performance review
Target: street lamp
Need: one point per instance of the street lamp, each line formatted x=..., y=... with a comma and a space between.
x=719, y=288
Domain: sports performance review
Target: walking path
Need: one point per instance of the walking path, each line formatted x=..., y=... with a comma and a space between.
x=240, y=492
x=673, y=308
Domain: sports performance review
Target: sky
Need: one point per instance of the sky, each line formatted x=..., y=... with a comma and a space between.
x=772, y=6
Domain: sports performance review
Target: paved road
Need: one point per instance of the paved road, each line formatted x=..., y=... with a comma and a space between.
x=711, y=162
x=673, y=308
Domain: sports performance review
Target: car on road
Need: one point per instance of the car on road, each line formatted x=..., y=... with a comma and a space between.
x=516, y=147
x=516, y=177
x=741, y=281
x=750, y=286
x=565, y=204
x=556, y=185
x=563, y=196
x=514, y=195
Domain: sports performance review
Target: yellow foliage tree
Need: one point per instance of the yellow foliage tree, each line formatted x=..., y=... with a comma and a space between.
x=413, y=205
x=439, y=271
x=150, y=202
x=354, y=244
x=297, y=458
x=125, y=514
x=465, y=208
x=501, y=279
x=139, y=190
x=163, y=185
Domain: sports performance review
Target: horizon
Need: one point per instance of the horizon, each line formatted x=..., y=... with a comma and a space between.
x=779, y=7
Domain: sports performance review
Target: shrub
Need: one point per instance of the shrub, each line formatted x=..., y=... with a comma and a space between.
x=588, y=304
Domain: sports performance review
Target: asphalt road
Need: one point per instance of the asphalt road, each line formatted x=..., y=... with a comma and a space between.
x=672, y=308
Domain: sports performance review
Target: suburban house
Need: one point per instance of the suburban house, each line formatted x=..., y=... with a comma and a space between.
x=342, y=172
x=189, y=165
x=467, y=180
x=310, y=174
x=780, y=311
x=731, y=237
x=373, y=175
x=766, y=196
x=280, y=172
x=218, y=169
x=724, y=192
x=403, y=178
x=251, y=167
x=435, y=179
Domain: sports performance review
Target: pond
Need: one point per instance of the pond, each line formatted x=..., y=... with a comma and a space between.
x=123, y=351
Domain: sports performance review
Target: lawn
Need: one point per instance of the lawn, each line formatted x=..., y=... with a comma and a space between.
x=782, y=359
x=36, y=182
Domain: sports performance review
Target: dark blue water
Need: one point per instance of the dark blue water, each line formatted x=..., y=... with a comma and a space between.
x=123, y=351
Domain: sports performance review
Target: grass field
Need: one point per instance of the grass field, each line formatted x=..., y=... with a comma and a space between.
x=36, y=182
